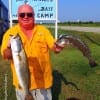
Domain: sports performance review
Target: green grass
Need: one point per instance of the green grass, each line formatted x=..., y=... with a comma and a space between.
x=73, y=76
x=6, y=81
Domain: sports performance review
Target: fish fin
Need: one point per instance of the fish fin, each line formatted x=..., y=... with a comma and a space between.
x=29, y=97
x=19, y=86
x=19, y=57
x=93, y=64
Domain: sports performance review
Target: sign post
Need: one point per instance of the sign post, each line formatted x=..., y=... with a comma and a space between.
x=44, y=10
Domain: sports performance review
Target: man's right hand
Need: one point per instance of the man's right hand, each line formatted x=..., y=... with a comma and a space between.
x=7, y=53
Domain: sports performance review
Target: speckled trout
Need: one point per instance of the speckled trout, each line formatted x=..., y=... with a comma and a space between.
x=21, y=65
x=79, y=44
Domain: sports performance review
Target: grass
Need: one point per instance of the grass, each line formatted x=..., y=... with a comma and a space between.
x=73, y=77
x=6, y=81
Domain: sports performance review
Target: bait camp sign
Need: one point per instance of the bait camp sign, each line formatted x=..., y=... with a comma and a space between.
x=44, y=9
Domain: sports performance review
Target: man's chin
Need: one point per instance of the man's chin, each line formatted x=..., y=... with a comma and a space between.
x=27, y=26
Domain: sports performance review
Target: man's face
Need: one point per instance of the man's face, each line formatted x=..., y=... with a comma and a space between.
x=26, y=16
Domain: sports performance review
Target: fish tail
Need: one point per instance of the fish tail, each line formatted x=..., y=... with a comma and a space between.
x=29, y=97
x=93, y=63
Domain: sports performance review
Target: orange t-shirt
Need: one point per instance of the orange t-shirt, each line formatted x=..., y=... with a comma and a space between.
x=37, y=51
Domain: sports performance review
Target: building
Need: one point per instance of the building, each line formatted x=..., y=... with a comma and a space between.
x=4, y=19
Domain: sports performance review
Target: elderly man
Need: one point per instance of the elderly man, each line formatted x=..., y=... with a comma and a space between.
x=37, y=40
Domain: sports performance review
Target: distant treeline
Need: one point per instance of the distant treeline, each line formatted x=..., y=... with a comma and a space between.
x=69, y=23
x=80, y=23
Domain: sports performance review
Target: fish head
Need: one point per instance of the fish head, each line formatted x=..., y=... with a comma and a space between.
x=16, y=44
x=61, y=40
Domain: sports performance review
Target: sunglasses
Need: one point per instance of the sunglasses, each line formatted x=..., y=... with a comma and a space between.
x=22, y=15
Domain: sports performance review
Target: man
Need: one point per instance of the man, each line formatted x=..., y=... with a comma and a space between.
x=37, y=41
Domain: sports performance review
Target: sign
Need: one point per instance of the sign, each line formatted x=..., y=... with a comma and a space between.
x=44, y=9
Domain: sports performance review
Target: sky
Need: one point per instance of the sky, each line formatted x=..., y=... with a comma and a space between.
x=76, y=10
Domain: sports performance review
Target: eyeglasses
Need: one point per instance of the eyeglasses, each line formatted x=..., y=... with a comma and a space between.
x=22, y=15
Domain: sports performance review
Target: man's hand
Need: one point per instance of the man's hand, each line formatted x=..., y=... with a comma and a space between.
x=57, y=48
x=7, y=53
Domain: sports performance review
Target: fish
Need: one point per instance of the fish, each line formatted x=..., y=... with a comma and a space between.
x=76, y=42
x=21, y=65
